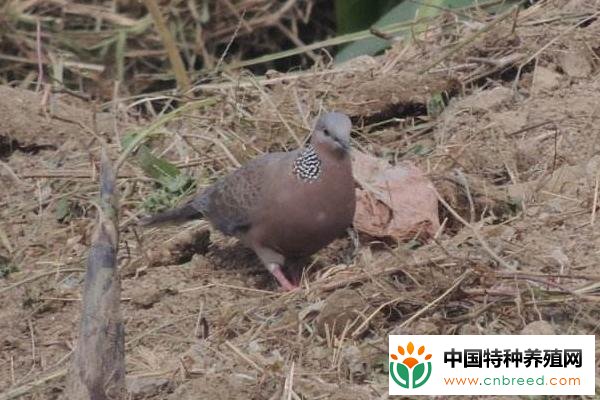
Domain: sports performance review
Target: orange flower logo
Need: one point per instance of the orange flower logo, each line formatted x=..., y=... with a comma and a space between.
x=410, y=361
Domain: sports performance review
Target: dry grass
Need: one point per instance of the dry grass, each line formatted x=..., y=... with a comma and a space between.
x=513, y=155
x=90, y=45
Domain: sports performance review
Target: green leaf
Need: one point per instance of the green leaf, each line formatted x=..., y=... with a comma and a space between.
x=63, y=209
x=406, y=11
x=120, y=46
x=435, y=104
x=127, y=140
x=173, y=184
x=155, y=167
x=6, y=267
x=179, y=183
x=67, y=209
x=404, y=374
x=356, y=15
x=418, y=372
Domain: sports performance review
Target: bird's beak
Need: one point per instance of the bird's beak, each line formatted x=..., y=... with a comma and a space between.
x=342, y=145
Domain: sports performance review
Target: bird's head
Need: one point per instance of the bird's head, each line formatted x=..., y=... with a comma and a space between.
x=332, y=133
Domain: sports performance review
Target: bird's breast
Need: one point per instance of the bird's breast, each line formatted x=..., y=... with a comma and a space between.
x=303, y=217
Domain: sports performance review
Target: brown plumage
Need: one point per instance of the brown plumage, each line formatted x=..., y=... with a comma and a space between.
x=283, y=205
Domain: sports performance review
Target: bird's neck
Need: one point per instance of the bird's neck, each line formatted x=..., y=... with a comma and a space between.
x=329, y=152
x=307, y=164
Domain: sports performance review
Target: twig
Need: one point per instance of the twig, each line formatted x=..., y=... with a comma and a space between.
x=468, y=40
x=11, y=173
x=360, y=328
x=58, y=174
x=383, y=35
x=530, y=127
x=181, y=76
x=268, y=99
x=38, y=47
x=156, y=329
x=32, y=335
x=264, y=81
x=235, y=33
x=244, y=357
x=239, y=16
x=516, y=274
x=595, y=202
x=289, y=384
x=225, y=285
x=294, y=38
x=143, y=134
x=496, y=62
x=456, y=283
x=24, y=389
x=544, y=47
x=337, y=281
x=36, y=277
x=477, y=234
x=101, y=13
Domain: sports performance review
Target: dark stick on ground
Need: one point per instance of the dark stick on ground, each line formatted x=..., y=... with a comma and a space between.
x=98, y=368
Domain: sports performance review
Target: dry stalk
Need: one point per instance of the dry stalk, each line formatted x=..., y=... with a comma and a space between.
x=39, y=276
x=181, y=76
x=244, y=357
x=340, y=280
x=476, y=233
x=468, y=40
x=551, y=42
x=451, y=289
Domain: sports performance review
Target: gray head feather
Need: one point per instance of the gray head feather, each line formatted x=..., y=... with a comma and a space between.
x=335, y=126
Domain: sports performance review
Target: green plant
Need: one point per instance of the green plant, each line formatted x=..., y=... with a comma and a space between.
x=353, y=15
x=172, y=183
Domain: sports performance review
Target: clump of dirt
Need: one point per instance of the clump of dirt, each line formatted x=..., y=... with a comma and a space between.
x=513, y=153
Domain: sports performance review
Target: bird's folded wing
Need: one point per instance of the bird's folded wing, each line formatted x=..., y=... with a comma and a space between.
x=232, y=203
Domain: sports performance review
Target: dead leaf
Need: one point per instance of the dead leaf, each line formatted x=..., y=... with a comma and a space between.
x=396, y=202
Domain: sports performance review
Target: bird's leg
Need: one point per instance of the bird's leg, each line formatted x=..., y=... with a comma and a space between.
x=277, y=272
x=273, y=261
x=295, y=275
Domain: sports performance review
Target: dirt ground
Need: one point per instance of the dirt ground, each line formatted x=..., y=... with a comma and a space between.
x=515, y=152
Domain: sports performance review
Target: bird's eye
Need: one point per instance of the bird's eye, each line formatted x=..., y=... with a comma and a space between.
x=326, y=132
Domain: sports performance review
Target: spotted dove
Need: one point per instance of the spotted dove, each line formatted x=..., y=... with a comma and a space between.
x=282, y=205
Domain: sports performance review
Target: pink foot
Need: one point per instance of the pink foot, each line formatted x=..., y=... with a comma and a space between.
x=283, y=281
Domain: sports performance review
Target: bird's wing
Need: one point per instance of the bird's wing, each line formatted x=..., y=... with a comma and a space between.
x=231, y=202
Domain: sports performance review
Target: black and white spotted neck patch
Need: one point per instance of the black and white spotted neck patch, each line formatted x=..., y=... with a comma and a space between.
x=307, y=166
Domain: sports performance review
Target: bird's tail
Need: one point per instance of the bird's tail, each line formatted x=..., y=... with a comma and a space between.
x=180, y=214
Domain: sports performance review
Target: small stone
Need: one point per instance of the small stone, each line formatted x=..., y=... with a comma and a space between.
x=544, y=79
x=538, y=328
x=341, y=307
x=488, y=100
x=145, y=386
x=576, y=63
x=147, y=298
x=510, y=121
x=353, y=362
